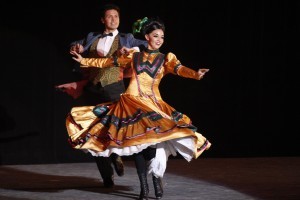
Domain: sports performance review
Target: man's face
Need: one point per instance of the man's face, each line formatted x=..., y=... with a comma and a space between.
x=111, y=20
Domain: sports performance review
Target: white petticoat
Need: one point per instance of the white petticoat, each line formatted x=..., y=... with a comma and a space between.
x=157, y=166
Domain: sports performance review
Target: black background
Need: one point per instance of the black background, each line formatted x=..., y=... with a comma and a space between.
x=246, y=105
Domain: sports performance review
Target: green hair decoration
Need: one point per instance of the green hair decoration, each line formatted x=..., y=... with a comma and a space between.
x=137, y=26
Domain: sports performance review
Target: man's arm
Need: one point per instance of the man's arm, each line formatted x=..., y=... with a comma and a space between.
x=131, y=42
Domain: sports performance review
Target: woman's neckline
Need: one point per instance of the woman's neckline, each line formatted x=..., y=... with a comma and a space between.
x=151, y=51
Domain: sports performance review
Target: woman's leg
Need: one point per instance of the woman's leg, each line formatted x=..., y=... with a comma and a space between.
x=149, y=154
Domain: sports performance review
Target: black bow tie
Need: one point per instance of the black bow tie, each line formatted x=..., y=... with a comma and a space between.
x=106, y=34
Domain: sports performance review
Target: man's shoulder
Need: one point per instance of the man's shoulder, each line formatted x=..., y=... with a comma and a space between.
x=93, y=34
x=125, y=35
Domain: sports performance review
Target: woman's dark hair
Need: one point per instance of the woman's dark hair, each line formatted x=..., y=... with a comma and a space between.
x=151, y=25
x=109, y=7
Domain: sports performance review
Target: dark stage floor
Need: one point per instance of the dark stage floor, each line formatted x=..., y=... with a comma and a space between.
x=276, y=178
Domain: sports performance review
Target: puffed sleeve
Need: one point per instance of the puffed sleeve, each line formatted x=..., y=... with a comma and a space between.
x=174, y=66
x=97, y=62
x=171, y=63
x=122, y=61
x=125, y=59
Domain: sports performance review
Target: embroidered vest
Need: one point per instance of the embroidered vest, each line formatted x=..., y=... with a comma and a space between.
x=105, y=76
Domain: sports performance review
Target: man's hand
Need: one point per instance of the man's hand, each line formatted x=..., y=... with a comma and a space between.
x=124, y=50
x=77, y=47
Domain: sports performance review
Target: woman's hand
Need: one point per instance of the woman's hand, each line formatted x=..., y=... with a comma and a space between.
x=76, y=56
x=201, y=72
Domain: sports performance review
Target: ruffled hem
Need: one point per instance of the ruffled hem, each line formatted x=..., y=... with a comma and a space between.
x=122, y=151
x=157, y=166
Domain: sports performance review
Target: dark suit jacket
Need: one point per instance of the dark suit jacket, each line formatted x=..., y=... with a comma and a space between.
x=126, y=39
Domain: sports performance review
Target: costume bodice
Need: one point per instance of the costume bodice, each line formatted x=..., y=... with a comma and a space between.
x=147, y=74
x=148, y=68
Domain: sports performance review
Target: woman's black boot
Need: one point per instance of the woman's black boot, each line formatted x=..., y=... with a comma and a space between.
x=158, y=187
x=144, y=187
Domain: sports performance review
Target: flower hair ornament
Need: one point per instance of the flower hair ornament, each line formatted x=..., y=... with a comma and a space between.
x=137, y=26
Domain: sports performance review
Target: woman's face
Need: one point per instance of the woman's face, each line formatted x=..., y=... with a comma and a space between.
x=155, y=39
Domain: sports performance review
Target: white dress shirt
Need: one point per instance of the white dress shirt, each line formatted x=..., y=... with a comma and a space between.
x=105, y=43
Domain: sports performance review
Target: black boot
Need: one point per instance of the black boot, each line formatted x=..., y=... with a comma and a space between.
x=118, y=164
x=158, y=187
x=144, y=187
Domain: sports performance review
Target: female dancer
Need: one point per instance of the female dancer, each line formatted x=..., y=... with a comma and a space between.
x=141, y=123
